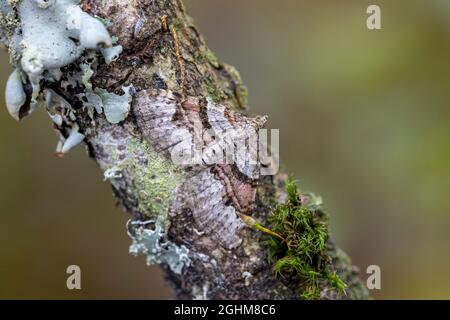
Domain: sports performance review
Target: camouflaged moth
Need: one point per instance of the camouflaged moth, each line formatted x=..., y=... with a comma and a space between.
x=219, y=185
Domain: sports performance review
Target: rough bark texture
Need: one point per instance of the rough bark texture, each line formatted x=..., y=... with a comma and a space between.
x=163, y=50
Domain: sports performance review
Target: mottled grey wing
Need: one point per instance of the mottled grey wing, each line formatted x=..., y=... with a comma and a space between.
x=240, y=136
x=206, y=196
x=155, y=116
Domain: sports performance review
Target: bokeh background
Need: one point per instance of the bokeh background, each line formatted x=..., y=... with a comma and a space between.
x=364, y=118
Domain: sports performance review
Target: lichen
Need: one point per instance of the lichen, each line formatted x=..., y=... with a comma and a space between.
x=74, y=139
x=155, y=181
x=150, y=242
x=302, y=251
x=15, y=94
x=149, y=180
x=240, y=91
x=116, y=107
x=147, y=176
x=86, y=74
x=64, y=118
x=215, y=93
x=44, y=36
x=211, y=58
x=48, y=35
x=163, y=67
x=13, y=3
x=8, y=22
x=113, y=173
x=111, y=54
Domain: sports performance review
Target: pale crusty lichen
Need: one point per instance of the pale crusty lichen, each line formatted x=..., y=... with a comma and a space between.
x=155, y=182
x=112, y=54
x=148, y=177
x=15, y=94
x=8, y=22
x=163, y=67
x=48, y=33
x=150, y=242
x=74, y=138
x=116, y=107
x=43, y=36
x=151, y=180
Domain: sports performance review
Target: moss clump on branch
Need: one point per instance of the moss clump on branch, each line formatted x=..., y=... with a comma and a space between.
x=301, y=249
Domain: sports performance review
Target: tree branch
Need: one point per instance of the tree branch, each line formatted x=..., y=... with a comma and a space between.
x=188, y=218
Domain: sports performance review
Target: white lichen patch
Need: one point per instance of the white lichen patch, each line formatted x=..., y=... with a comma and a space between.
x=113, y=173
x=159, y=251
x=111, y=54
x=55, y=35
x=63, y=116
x=43, y=36
x=15, y=94
x=116, y=107
x=67, y=144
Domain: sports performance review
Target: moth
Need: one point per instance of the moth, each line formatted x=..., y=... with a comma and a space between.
x=218, y=150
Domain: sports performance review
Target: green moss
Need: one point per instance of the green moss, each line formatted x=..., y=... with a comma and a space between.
x=242, y=95
x=356, y=288
x=215, y=93
x=336, y=282
x=177, y=23
x=164, y=67
x=240, y=90
x=303, y=250
x=211, y=58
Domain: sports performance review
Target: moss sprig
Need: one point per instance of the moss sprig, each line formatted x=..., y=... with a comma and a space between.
x=301, y=248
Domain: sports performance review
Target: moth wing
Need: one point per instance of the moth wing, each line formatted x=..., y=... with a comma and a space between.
x=206, y=197
x=241, y=137
x=155, y=116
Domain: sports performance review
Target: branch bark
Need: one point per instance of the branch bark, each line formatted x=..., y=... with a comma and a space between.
x=164, y=52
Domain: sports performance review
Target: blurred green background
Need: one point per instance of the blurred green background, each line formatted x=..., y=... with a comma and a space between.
x=364, y=118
